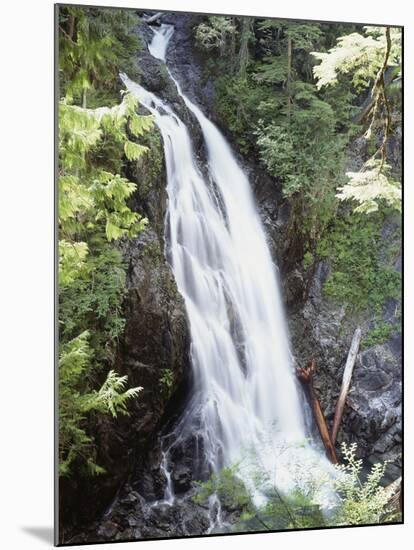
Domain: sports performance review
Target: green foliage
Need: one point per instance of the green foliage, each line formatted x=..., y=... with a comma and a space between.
x=75, y=445
x=95, y=144
x=112, y=396
x=308, y=259
x=95, y=44
x=306, y=154
x=308, y=134
x=358, y=277
x=229, y=489
x=94, y=301
x=359, y=55
x=293, y=511
x=274, y=34
x=236, y=104
x=212, y=33
x=379, y=334
x=358, y=501
x=372, y=188
x=367, y=58
x=361, y=502
x=167, y=380
x=71, y=261
x=93, y=210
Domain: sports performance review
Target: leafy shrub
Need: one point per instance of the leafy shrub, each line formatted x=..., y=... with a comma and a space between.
x=95, y=145
x=75, y=445
x=167, y=380
x=358, y=501
x=379, y=334
x=361, y=502
x=359, y=277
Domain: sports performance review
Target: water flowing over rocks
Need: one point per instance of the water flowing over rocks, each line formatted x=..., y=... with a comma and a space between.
x=157, y=338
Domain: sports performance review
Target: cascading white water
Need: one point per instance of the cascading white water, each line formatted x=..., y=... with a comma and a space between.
x=245, y=393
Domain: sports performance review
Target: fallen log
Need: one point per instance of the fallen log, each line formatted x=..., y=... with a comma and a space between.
x=346, y=382
x=305, y=375
x=153, y=18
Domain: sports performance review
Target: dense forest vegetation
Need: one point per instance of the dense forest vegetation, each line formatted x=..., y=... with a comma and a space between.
x=299, y=96
x=291, y=93
x=96, y=133
x=318, y=107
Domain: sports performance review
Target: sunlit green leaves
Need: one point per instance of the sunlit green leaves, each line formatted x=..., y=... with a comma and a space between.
x=357, y=54
x=96, y=140
x=87, y=194
x=140, y=124
x=71, y=260
x=362, y=502
x=79, y=132
x=370, y=188
x=112, y=398
x=74, y=358
x=74, y=197
x=133, y=150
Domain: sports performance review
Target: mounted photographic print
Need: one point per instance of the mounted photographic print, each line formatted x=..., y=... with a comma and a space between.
x=229, y=274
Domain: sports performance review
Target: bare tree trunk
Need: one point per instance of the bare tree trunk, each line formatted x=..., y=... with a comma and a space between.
x=305, y=375
x=222, y=43
x=289, y=75
x=380, y=98
x=233, y=43
x=244, y=45
x=154, y=18
x=71, y=26
x=346, y=382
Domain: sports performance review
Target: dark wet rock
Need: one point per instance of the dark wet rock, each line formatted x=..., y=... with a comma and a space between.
x=372, y=416
x=162, y=520
x=108, y=530
x=182, y=477
x=154, y=75
x=186, y=62
x=295, y=287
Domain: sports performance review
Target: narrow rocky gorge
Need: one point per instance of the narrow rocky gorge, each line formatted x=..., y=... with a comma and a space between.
x=155, y=349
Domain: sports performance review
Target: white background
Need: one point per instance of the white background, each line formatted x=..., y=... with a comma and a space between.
x=26, y=289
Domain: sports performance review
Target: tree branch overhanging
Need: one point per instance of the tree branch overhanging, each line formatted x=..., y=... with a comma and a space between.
x=380, y=98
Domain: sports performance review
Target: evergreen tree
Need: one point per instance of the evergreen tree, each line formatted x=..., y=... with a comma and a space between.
x=94, y=145
x=370, y=60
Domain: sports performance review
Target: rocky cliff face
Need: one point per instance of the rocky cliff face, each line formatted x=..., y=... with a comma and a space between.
x=323, y=330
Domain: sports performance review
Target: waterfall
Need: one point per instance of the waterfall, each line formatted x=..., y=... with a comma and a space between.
x=246, y=401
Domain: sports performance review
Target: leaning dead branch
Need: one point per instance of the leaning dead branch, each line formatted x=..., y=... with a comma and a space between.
x=346, y=383
x=153, y=18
